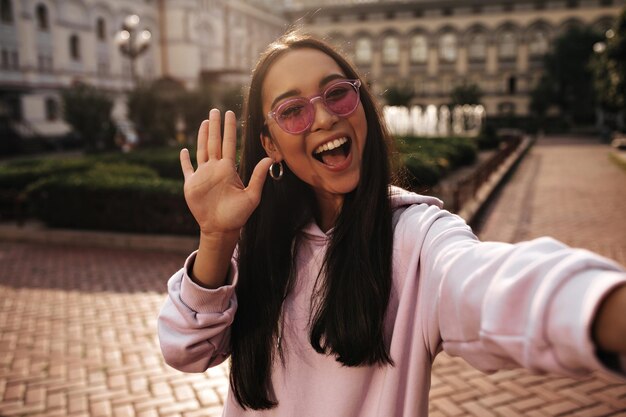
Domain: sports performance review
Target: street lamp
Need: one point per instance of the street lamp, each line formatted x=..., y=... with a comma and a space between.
x=132, y=42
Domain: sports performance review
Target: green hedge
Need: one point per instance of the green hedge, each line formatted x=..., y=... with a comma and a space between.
x=142, y=191
x=144, y=204
x=165, y=161
x=427, y=160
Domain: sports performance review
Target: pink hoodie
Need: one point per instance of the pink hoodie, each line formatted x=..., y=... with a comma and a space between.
x=497, y=305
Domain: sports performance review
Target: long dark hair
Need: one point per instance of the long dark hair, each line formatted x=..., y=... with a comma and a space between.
x=355, y=282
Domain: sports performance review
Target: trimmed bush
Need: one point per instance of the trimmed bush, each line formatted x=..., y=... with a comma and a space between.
x=427, y=160
x=165, y=161
x=112, y=202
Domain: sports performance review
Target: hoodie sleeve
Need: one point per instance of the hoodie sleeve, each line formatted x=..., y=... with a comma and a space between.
x=501, y=305
x=194, y=323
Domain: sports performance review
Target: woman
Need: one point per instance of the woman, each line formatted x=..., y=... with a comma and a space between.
x=332, y=292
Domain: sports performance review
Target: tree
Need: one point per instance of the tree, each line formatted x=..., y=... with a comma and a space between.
x=399, y=95
x=465, y=94
x=153, y=108
x=609, y=68
x=88, y=110
x=567, y=82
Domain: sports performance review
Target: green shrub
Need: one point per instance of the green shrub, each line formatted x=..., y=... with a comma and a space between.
x=427, y=160
x=112, y=202
x=165, y=161
x=16, y=175
x=422, y=173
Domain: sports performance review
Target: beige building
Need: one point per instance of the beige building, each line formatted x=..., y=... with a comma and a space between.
x=46, y=45
x=434, y=45
x=430, y=45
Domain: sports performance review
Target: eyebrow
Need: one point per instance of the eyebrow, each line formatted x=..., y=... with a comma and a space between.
x=322, y=82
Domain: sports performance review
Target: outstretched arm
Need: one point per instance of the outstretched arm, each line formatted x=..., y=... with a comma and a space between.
x=609, y=326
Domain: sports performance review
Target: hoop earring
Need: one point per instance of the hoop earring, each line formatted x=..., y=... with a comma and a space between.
x=280, y=170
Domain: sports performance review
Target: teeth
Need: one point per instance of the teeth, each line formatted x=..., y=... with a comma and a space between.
x=330, y=145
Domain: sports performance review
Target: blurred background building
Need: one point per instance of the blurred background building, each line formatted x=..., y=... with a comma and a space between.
x=427, y=46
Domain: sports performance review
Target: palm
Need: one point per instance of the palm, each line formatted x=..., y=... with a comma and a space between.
x=215, y=194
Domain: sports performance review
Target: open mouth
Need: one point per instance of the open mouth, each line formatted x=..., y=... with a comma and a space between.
x=334, y=152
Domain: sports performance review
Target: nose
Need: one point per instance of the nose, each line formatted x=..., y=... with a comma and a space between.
x=322, y=118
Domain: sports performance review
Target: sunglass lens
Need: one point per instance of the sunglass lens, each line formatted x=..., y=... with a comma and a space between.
x=294, y=116
x=342, y=99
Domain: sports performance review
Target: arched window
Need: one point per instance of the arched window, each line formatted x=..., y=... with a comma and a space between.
x=75, y=47
x=508, y=45
x=101, y=31
x=477, y=48
x=538, y=43
x=419, y=49
x=52, y=109
x=42, y=17
x=363, y=51
x=447, y=47
x=6, y=11
x=391, y=50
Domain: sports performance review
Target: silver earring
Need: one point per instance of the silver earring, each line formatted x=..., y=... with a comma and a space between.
x=272, y=170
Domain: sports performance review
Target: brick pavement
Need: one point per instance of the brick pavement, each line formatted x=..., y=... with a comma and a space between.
x=77, y=324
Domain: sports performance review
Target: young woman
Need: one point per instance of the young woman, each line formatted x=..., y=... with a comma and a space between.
x=331, y=291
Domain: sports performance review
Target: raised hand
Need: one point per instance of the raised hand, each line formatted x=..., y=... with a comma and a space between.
x=215, y=194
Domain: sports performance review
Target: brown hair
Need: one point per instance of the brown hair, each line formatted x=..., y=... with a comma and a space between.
x=355, y=280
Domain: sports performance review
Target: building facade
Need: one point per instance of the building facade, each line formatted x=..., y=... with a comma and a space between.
x=432, y=46
x=46, y=45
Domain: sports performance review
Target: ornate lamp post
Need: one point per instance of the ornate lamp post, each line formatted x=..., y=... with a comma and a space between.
x=132, y=42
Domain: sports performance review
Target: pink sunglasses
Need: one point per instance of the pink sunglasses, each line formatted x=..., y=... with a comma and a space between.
x=297, y=114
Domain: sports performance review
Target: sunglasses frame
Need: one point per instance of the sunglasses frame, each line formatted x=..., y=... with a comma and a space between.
x=356, y=84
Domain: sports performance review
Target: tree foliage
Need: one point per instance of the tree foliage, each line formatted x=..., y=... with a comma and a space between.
x=609, y=68
x=158, y=107
x=567, y=82
x=465, y=94
x=398, y=95
x=88, y=110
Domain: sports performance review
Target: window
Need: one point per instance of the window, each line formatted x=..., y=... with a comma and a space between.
x=477, y=49
x=419, y=49
x=447, y=47
x=42, y=17
x=75, y=47
x=508, y=45
x=363, y=51
x=512, y=85
x=4, y=61
x=391, y=50
x=538, y=43
x=15, y=60
x=6, y=11
x=101, y=32
x=52, y=109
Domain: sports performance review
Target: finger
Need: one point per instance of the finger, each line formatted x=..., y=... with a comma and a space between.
x=229, y=148
x=203, y=133
x=215, y=135
x=255, y=187
x=185, y=163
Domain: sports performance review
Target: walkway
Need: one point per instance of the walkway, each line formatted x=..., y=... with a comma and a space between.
x=77, y=324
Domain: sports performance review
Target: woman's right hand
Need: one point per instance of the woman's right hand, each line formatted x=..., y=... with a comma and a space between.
x=214, y=192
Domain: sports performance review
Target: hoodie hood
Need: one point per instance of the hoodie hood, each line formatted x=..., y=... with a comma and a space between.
x=400, y=198
x=403, y=198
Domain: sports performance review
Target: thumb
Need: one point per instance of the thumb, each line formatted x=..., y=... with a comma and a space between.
x=255, y=186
